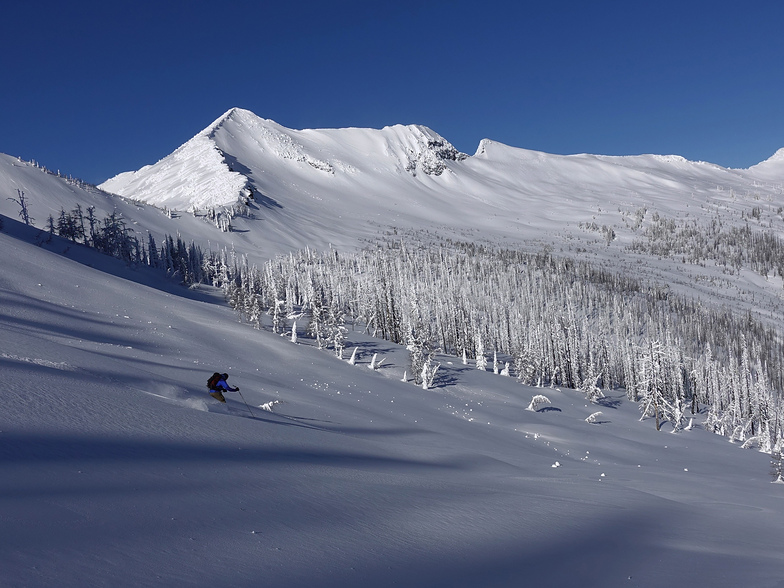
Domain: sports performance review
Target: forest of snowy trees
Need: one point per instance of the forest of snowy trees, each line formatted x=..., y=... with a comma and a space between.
x=729, y=246
x=561, y=323
x=557, y=321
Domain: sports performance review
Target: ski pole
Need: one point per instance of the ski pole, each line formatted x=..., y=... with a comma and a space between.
x=246, y=404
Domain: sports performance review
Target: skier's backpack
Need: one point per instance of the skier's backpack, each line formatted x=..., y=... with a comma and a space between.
x=213, y=381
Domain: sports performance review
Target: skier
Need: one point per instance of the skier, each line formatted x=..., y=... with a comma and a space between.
x=217, y=384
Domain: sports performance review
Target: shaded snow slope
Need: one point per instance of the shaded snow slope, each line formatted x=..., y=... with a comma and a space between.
x=117, y=469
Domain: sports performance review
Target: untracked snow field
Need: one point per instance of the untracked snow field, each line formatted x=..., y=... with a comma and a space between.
x=117, y=469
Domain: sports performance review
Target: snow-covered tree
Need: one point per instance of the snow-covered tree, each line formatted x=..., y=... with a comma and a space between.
x=565, y=322
x=481, y=360
x=589, y=387
x=777, y=466
x=428, y=375
x=537, y=402
x=420, y=354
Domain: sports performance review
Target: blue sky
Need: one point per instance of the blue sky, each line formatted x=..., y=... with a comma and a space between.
x=97, y=88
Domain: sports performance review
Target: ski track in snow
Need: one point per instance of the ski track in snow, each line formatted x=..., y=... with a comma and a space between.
x=42, y=362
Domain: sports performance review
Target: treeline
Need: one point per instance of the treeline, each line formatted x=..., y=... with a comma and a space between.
x=562, y=322
x=110, y=235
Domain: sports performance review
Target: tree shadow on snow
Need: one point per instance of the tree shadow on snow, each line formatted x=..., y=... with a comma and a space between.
x=237, y=409
x=608, y=402
x=81, y=326
x=366, y=349
x=443, y=380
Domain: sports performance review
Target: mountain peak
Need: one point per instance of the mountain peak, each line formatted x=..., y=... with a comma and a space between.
x=420, y=149
x=235, y=114
x=196, y=175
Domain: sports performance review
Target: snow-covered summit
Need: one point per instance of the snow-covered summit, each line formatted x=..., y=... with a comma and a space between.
x=213, y=168
x=194, y=175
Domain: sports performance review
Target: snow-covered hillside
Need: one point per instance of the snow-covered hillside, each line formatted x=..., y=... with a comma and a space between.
x=116, y=467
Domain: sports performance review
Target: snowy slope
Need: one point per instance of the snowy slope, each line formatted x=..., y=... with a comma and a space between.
x=117, y=469
x=194, y=175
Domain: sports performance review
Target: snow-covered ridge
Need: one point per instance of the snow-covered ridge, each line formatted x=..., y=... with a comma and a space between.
x=266, y=136
x=410, y=147
x=347, y=166
x=213, y=168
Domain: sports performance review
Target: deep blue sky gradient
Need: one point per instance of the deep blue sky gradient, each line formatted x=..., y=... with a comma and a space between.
x=97, y=88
